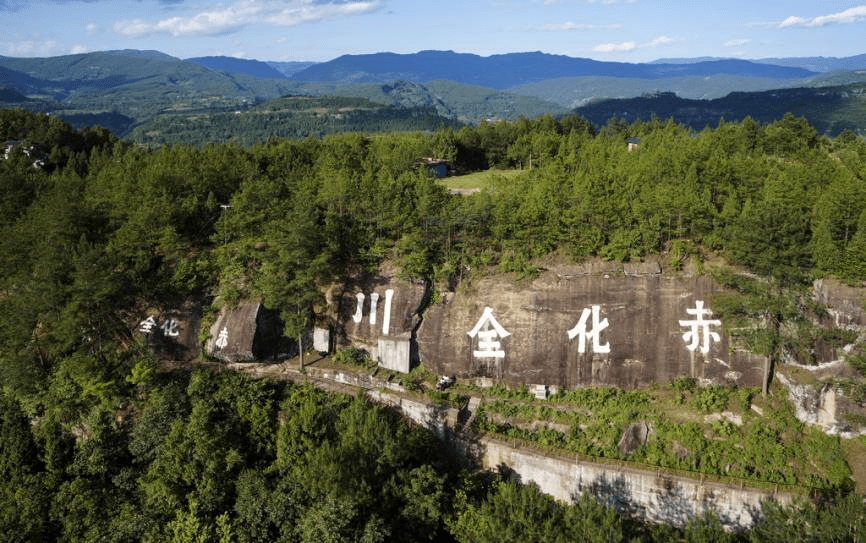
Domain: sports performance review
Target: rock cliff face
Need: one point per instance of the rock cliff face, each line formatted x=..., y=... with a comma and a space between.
x=821, y=401
x=591, y=324
x=580, y=325
x=380, y=313
x=248, y=332
x=845, y=304
x=171, y=327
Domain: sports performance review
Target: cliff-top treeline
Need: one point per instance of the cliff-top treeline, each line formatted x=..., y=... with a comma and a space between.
x=97, y=444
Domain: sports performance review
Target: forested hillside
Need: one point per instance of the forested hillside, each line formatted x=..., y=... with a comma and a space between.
x=288, y=117
x=97, y=441
x=150, y=97
x=830, y=110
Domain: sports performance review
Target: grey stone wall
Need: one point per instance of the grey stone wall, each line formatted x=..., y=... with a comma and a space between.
x=394, y=354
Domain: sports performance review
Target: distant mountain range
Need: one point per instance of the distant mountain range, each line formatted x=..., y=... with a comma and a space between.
x=253, y=68
x=813, y=64
x=232, y=65
x=126, y=89
x=830, y=110
x=513, y=69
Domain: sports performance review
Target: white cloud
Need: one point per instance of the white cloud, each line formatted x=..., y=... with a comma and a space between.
x=850, y=15
x=92, y=28
x=305, y=12
x=30, y=48
x=205, y=23
x=661, y=40
x=225, y=19
x=793, y=21
x=625, y=47
x=568, y=25
x=615, y=47
x=737, y=42
x=78, y=49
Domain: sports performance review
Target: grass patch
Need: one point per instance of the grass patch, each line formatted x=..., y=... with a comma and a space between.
x=478, y=180
x=774, y=449
x=855, y=451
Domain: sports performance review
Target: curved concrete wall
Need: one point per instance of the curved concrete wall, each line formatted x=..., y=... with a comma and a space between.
x=651, y=496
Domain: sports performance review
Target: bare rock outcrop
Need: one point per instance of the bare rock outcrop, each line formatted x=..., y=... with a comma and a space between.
x=248, y=332
x=633, y=438
x=596, y=323
x=171, y=327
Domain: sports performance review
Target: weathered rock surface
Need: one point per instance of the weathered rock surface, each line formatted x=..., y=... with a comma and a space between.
x=595, y=323
x=248, y=332
x=598, y=323
x=822, y=405
x=818, y=402
x=633, y=437
x=380, y=313
x=171, y=327
x=845, y=304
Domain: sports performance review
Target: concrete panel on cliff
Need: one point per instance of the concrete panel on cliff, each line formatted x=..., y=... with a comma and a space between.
x=248, y=332
x=573, y=326
x=394, y=354
x=322, y=340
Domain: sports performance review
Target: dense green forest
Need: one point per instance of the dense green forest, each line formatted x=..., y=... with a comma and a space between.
x=286, y=117
x=830, y=110
x=99, y=443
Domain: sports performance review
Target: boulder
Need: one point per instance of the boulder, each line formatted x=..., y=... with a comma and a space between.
x=247, y=333
x=171, y=327
x=633, y=437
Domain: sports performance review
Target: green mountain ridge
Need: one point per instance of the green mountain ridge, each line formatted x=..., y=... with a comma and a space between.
x=131, y=91
x=574, y=92
x=830, y=110
x=295, y=117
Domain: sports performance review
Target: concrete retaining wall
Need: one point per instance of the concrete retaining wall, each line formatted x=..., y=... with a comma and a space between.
x=653, y=496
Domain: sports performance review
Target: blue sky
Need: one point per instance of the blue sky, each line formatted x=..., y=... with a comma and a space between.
x=320, y=30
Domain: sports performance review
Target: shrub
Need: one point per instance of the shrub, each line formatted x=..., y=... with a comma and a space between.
x=714, y=398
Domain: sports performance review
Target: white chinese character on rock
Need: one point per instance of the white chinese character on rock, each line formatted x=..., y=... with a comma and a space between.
x=374, y=301
x=169, y=328
x=594, y=335
x=386, y=318
x=488, y=330
x=359, y=308
x=358, y=317
x=700, y=334
x=147, y=325
x=223, y=338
